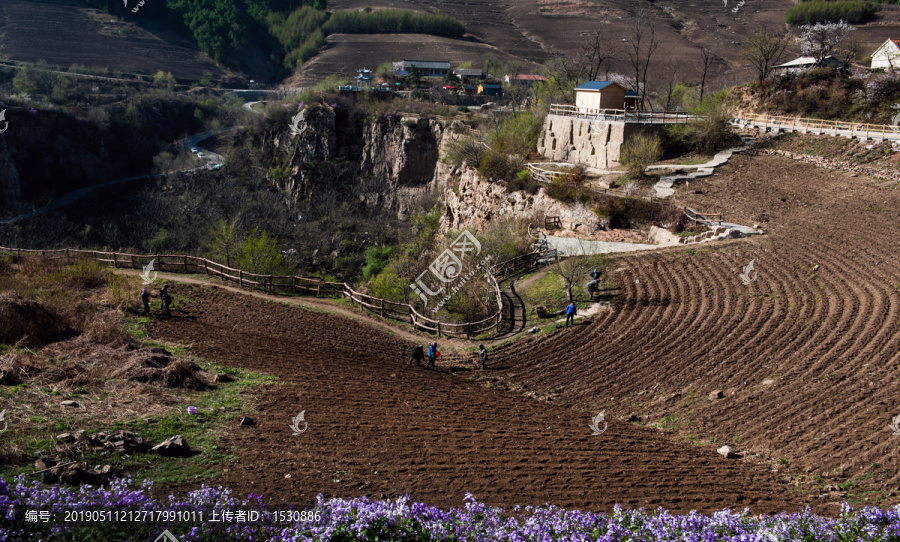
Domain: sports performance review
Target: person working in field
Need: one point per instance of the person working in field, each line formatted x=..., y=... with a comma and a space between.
x=482, y=353
x=166, y=300
x=432, y=354
x=570, y=313
x=145, y=299
x=418, y=355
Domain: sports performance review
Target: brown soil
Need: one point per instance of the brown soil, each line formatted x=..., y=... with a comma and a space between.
x=807, y=355
x=380, y=428
x=64, y=32
x=27, y=322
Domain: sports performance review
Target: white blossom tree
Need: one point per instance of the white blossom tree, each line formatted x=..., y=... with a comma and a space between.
x=820, y=40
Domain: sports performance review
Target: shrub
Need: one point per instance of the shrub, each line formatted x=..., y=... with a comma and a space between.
x=498, y=166
x=465, y=150
x=260, y=255
x=389, y=21
x=377, y=259
x=826, y=11
x=710, y=129
x=639, y=152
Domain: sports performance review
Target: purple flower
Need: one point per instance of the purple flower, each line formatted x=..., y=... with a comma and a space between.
x=300, y=106
x=192, y=410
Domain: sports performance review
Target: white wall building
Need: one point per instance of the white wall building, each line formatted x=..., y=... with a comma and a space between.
x=887, y=56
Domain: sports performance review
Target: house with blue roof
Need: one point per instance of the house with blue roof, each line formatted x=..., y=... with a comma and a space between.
x=594, y=96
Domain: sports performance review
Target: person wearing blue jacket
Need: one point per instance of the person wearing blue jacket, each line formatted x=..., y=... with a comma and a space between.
x=432, y=353
x=570, y=314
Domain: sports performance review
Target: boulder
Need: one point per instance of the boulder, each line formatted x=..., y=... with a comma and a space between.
x=727, y=452
x=717, y=394
x=175, y=446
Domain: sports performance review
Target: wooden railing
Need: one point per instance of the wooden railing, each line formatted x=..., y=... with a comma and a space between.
x=705, y=218
x=293, y=284
x=820, y=126
x=620, y=115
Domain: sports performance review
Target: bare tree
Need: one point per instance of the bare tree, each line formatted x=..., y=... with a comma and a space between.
x=639, y=51
x=764, y=50
x=671, y=82
x=708, y=55
x=597, y=54
x=821, y=39
x=849, y=50
x=577, y=268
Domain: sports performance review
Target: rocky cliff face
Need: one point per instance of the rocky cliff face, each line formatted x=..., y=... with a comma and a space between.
x=385, y=164
x=475, y=202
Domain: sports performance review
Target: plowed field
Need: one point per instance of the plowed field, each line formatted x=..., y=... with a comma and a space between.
x=378, y=427
x=807, y=355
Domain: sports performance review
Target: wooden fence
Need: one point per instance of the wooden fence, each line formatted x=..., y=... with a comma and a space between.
x=820, y=126
x=705, y=218
x=290, y=284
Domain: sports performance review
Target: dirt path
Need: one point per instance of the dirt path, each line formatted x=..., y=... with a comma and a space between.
x=454, y=348
x=378, y=427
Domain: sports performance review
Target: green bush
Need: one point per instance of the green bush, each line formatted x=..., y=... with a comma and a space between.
x=391, y=21
x=260, y=255
x=639, y=152
x=377, y=259
x=497, y=166
x=710, y=129
x=827, y=11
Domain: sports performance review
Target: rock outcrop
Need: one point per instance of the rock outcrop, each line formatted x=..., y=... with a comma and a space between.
x=474, y=202
x=593, y=143
x=386, y=164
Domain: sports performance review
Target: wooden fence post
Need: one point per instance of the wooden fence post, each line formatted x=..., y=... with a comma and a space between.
x=18, y=255
x=382, y=309
x=185, y=264
x=318, y=288
x=159, y=261
x=439, y=329
x=115, y=259
x=241, y=277
x=206, y=265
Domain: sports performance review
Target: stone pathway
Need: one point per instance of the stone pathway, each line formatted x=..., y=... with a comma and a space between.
x=664, y=186
x=570, y=246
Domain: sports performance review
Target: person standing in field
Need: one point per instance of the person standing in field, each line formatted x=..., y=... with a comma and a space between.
x=418, y=355
x=166, y=300
x=145, y=299
x=482, y=353
x=571, y=311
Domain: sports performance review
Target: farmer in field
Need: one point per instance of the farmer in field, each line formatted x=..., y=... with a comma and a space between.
x=570, y=313
x=145, y=299
x=482, y=353
x=418, y=355
x=166, y=300
x=432, y=354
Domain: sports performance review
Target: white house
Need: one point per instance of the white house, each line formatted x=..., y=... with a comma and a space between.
x=887, y=56
x=805, y=63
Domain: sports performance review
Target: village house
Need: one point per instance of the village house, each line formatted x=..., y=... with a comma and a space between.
x=886, y=57
x=490, y=89
x=426, y=68
x=468, y=74
x=594, y=96
x=804, y=63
